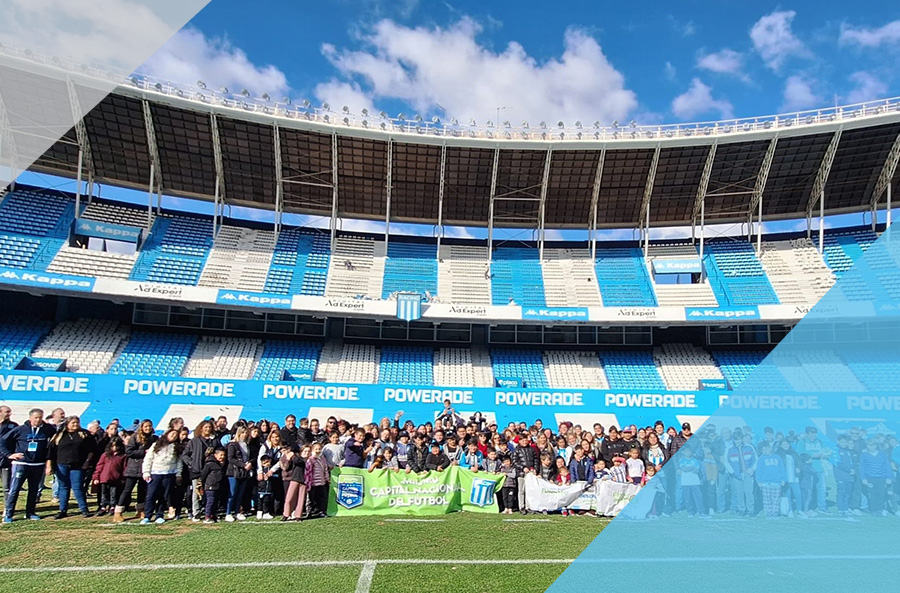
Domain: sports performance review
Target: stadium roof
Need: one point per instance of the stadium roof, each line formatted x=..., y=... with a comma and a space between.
x=299, y=159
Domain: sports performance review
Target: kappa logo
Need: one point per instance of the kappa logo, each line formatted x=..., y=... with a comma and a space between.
x=723, y=314
x=48, y=280
x=228, y=297
x=85, y=226
x=482, y=494
x=350, y=491
x=558, y=313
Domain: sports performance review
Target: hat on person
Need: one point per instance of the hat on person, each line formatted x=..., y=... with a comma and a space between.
x=402, y=434
x=812, y=429
x=686, y=426
x=618, y=459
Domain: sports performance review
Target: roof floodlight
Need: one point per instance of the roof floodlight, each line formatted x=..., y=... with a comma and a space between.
x=597, y=124
x=471, y=122
x=454, y=122
x=596, y=135
x=245, y=93
x=490, y=134
x=435, y=120
x=727, y=129
x=525, y=124
x=179, y=92
x=286, y=100
x=365, y=123
x=767, y=125
x=306, y=103
x=560, y=124
x=578, y=135
x=688, y=132
x=401, y=116
x=747, y=127
x=223, y=90
x=266, y=97
x=418, y=118
x=471, y=133
x=346, y=121
x=508, y=135
x=327, y=119
x=578, y=124
x=634, y=134
x=134, y=81
x=201, y=84
x=345, y=109
x=383, y=126
x=382, y=114
x=308, y=115
x=809, y=119
x=365, y=112
x=506, y=124
x=199, y=96
x=789, y=122
x=632, y=124
x=669, y=133
x=490, y=124
x=615, y=135
x=525, y=135
x=562, y=135
x=707, y=131
x=246, y=105
x=615, y=123
x=84, y=67
x=650, y=134
x=158, y=87
x=326, y=106
x=543, y=125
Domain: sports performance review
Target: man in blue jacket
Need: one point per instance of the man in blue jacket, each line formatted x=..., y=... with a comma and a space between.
x=581, y=468
x=27, y=447
x=5, y=464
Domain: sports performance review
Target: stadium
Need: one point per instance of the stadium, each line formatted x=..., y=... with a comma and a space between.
x=252, y=302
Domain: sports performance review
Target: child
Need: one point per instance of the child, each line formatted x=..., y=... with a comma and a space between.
x=618, y=473
x=110, y=475
x=318, y=475
x=509, y=490
x=389, y=459
x=333, y=452
x=563, y=479
x=211, y=477
x=266, y=508
x=472, y=459
x=354, y=451
x=690, y=470
x=807, y=483
x=634, y=465
x=436, y=460
x=600, y=470
x=710, y=476
x=294, y=472
x=659, y=496
x=452, y=450
x=492, y=464
x=563, y=449
x=770, y=477
x=402, y=449
x=546, y=471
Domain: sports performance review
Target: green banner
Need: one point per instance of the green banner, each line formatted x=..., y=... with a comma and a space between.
x=386, y=492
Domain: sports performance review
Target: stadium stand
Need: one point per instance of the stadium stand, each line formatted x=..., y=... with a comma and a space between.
x=175, y=252
x=87, y=345
x=348, y=363
x=796, y=270
x=516, y=276
x=736, y=275
x=407, y=365
x=576, y=370
x=527, y=365
x=462, y=275
x=357, y=268
x=299, y=263
x=682, y=366
x=842, y=248
x=161, y=355
x=18, y=339
x=879, y=368
x=622, y=278
x=680, y=295
x=410, y=267
x=218, y=357
x=569, y=278
x=239, y=259
x=462, y=367
x=736, y=365
x=633, y=369
x=282, y=355
x=118, y=214
x=34, y=225
x=90, y=262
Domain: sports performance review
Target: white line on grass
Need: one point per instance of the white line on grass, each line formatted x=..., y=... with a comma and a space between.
x=365, y=578
x=415, y=520
x=526, y=520
x=419, y=561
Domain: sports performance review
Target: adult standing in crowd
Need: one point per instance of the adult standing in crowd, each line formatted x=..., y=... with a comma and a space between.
x=71, y=451
x=135, y=449
x=6, y=424
x=161, y=468
x=195, y=454
x=27, y=447
x=238, y=472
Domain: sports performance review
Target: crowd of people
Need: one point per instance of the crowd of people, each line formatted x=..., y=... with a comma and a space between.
x=221, y=471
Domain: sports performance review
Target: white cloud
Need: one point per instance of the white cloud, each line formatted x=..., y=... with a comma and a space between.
x=866, y=37
x=671, y=72
x=426, y=66
x=190, y=56
x=726, y=61
x=698, y=100
x=799, y=94
x=867, y=87
x=774, y=40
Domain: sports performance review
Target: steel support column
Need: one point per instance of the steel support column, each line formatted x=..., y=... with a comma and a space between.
x=595, y=202
x=822, y=221
x=762, y=177
x=645, y=204
x=388, y=190
x=884, y=178
x=78, y=182
x=700, y=198
x=155, y=169
x=491, y=205
x=543, y=204
x=150, y=196
x=220, y=173
x=440, y=219
x=702, y=238
x=818, y=188
x=334, y=189
x=279, y=181
x=85, y=158
x=889, y=204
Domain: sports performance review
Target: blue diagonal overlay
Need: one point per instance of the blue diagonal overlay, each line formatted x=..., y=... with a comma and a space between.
x=790, y=485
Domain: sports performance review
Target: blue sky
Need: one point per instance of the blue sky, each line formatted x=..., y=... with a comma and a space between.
x=586, y=60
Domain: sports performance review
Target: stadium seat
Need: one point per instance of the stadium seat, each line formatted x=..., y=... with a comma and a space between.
x=87, y=345
x=406, y=365
x=162, y=355
x=569, y=278
x=462, y=274
x=282, y=355
x=623, y=279
x=527, y=365
x=410, y=267
x=516, y=276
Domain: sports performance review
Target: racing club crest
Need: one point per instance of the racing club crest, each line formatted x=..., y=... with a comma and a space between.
x=482, y=493
x=350, y=491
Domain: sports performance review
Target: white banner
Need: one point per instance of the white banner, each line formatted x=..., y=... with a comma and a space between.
x=541, y=495
x=606, y=497
x=611, y=497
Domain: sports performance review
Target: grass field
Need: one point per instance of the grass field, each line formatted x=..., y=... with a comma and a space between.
x=460, y=552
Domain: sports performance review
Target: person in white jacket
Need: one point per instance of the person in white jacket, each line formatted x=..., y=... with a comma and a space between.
x=162, y=467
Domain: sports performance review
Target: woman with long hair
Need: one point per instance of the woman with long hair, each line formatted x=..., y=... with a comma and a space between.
x=135, y=449
x=161, y=469
x=791, y=460
x=273, y=475
x=195, y=454
x=238, y=473
x=653, y=452
x=71, y=450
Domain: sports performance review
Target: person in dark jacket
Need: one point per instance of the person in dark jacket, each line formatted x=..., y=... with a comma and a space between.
x=612, y=446
x=290, y=434
x=416, y=454
x=109, y=475
x=5, y=464
x=436, y=460
x=211, y=478
x=135, y=450
x=355, y=451
x=71, y=450
x=195, y=456
x=239, y=472
x=844, y=466
x=581, y=469
x=525, y=461
x=27, y=448
x=293, y=463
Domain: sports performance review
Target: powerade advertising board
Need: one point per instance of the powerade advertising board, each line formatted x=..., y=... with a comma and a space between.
x=105, y=397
